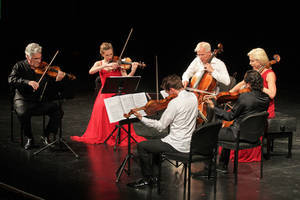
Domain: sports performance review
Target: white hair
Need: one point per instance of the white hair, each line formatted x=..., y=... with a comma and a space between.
x=32, y=48
x=204, y=45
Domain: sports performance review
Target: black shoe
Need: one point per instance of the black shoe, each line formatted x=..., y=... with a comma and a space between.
x=45, y=140
x=28, y=144
x=140, y=183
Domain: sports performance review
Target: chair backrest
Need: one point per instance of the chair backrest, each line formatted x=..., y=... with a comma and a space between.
x=205, y=138
x=253, y=126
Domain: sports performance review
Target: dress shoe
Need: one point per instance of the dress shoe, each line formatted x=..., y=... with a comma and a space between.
x=45, y=140
x=140, y=183
x=28, y=144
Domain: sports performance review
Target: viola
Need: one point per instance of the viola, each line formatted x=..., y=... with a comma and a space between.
x=126, y=63
x=224, y=97
x=153, y=106
x=52, y=71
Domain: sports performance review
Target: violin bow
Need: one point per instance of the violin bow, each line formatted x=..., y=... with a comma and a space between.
x=156, y=77
x=48, y=67
x=121, y=54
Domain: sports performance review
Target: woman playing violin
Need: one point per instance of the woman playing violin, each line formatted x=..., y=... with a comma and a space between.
x=27, y=90
x=99, y=127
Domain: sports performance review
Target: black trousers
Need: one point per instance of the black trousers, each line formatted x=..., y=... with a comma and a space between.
x=149, y=154
x=26, y=109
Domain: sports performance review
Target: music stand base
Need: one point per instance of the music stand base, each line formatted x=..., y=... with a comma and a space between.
x=118, y=136
x=122, y=167
x=59, y=140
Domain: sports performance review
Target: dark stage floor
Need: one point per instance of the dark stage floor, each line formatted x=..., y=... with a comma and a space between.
x=57, y=174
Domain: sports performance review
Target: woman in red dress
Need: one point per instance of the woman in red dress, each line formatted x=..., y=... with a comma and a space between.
x=99, y=128
x=259, y=58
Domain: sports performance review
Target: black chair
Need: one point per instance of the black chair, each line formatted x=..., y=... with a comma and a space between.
x=203, y=148
x=252, y=128
x=12, y=113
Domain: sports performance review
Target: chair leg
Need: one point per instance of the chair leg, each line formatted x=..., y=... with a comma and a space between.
x=184, y=179
x=261, y=162
x=189, y=181
x=159, y=174
x=235, y=168
x=12, y=126
x=290, y=143
x=22, y=135
x=268, y=147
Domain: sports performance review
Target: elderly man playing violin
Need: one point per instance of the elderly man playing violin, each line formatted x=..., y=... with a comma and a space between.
x=247, y=103
x=181, y=117
x=28, y=92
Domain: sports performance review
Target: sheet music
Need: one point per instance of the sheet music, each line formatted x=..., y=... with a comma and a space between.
x=164, y=94
x=114, y=108
x=117, y=106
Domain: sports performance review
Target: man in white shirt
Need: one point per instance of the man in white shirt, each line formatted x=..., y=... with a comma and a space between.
x=180, y=115
x=201, y=64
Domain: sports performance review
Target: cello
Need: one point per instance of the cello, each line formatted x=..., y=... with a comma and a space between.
x=207, y=84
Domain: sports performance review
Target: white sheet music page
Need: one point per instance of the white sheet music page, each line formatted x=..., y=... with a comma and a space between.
x=117, y=106
x=136, y=100
x=114, y=109
x=140, y=100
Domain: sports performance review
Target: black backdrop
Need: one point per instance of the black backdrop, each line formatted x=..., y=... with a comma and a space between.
x=170, y=32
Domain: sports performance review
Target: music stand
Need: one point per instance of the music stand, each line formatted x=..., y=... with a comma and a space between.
x=120, y=85
x=59, y=140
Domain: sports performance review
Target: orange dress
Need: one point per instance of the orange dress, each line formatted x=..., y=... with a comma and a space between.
x=99, y=128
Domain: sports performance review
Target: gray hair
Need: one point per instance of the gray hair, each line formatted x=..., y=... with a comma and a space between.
x=204, y=45
x=32, y=48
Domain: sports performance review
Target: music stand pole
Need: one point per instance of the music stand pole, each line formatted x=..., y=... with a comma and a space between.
x=127, y=158
x=59, y=139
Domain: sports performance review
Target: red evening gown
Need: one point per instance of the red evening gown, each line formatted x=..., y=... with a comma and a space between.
x=254, y=154
x=99, y=127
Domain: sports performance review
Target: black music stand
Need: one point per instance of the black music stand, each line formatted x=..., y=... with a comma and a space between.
x=58, y=140
x=129, y=154
x=120, y=85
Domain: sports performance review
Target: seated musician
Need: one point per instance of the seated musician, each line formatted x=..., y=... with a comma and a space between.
x=247, y=103
x=28, y=92
x=201, y=64
x=181, y=117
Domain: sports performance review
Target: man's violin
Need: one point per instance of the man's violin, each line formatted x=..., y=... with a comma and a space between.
x=52, y=71
x=153, y=106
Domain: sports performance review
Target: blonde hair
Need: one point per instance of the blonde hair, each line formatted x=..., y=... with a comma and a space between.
x=105, y=46
x=204, y=45
x=260, y=55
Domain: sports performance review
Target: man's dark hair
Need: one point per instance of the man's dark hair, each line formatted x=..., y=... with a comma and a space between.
x=254, y=79
x=172, y=81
